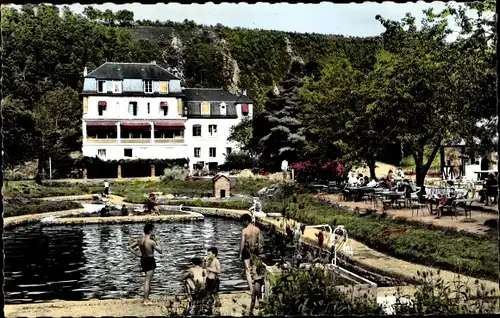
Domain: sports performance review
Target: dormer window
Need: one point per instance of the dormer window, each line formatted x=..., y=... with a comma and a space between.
x=244, y=109
x=101, y=86
x=148, y=86
x=223, y=109
x=117, y=87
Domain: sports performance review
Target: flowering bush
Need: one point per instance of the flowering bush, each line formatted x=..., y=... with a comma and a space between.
x=306, y=171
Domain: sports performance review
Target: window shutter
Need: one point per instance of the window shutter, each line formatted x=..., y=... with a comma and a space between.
x=205, y=108
x=179, y=106
x=85, y=105
x=164, y=87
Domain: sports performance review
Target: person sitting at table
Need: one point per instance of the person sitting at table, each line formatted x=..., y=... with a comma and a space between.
x=388, y=180
x=366, y=180
x=352, y=181
x=490, y=189
x=372, y=184
x=361, y=179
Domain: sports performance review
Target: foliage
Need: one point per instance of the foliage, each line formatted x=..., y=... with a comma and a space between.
x=16, y=206
x=445, y=248
x=311, y=292
x=242, y=133
x=307, y=171
x=175, y=173
x=285, y=138
x=238, y=160
x=200, y=203
x=409, y=162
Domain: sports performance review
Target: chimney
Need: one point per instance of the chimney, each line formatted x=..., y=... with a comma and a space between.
x=244, y=92
x=84, y=71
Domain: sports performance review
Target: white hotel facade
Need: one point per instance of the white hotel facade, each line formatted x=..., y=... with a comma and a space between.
x=140, y=111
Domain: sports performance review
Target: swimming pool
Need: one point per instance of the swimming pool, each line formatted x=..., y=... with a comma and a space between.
x=82, y=262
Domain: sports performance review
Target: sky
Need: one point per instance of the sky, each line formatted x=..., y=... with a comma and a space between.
x=325, y=17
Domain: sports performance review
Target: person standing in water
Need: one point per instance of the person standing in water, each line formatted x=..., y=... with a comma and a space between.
x=212, y=267
x=147, y=246
x=250, y=245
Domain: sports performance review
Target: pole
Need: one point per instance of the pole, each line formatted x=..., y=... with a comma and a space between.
x=50, y=168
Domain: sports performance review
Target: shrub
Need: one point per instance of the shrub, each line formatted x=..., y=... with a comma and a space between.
x=20, y=206
x=307, y=171
x=310, y=292
x=238, y=161
x=174, y=173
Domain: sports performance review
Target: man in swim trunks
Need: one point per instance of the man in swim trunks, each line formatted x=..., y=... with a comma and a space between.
x=147, y=246
x=250, y=245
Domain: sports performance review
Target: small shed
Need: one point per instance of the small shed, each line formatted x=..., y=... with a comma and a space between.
x=221, y=186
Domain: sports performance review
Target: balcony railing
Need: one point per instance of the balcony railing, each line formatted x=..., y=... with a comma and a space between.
x=91, y=140
x=136, y=140
x=169, y=140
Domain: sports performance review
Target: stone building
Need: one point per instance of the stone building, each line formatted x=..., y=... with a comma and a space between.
x=221, y=186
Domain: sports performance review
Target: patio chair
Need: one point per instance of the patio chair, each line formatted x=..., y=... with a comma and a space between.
x=449, y=207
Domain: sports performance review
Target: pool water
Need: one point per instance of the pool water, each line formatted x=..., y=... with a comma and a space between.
x=81, y=262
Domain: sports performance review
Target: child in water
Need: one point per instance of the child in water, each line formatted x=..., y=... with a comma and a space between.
x=212, y=267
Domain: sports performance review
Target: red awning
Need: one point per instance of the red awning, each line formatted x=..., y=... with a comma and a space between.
x=169, y=125
x=163, y=104
x=102, y=103
x=244, y=108
x=135, y=125
x=101, y=125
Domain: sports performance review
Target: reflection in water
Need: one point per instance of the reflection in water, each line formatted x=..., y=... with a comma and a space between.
x=92, y=261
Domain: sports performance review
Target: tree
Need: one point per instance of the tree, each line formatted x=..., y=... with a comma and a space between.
x=242, y=133
x=417, y=76
x=91, y=13
x=285, y=139
x=57, y=125
x=125, y=18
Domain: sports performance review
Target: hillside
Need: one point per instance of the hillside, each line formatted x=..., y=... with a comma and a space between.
x=239, y=59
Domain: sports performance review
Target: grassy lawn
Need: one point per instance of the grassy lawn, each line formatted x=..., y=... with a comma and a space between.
x=447, y=249
x=132, y=190
x=21, y=206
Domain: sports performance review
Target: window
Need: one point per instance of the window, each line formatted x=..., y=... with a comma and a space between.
x=212, y=130
x=117, y=109
x=100, y=134
x=101, y=109
x=228, y=151
x=132, y=108
x=149, y=108
x=212, y=152
x=165, y=111
x=117, y=86
x=148, y=86
x=127, y=152
x=197, y=152
x=168, y=134
x=223, y=109
x=135, y=134
x=101, y=86
x=101, y=153
x=197, y=131
x=179, y=106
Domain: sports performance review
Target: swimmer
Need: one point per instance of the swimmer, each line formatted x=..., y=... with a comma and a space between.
x=250, y=245
x=147, y=246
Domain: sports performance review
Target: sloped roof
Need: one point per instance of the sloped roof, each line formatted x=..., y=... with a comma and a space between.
x=215, y=95
x=220, y=175
x=119, y=71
